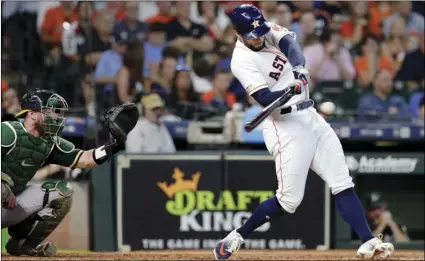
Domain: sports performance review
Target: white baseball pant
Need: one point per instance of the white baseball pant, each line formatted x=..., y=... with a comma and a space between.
x=299, y=141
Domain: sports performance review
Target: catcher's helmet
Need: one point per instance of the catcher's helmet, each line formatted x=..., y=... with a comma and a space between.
x=249, y=22
x=51, y=104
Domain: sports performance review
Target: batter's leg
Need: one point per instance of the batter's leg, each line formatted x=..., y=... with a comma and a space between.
x=329, y=163
x=292, y=153
x=40, y=209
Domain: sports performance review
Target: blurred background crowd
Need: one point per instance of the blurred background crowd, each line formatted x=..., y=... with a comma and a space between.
x=366, y=59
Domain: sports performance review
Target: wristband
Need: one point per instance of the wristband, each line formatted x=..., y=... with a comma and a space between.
x=104, y=153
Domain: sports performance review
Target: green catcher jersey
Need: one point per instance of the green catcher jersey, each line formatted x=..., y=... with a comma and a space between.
x=22, y=154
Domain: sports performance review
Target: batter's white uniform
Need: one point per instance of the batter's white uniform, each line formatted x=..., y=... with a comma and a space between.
x=299, y=140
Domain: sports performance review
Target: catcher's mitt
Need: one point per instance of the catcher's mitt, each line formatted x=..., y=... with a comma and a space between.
x=120, y=120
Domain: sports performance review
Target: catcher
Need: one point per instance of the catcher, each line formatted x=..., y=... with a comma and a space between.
x=32, y=212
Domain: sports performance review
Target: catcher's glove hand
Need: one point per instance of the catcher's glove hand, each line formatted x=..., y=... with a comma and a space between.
x=120, y=120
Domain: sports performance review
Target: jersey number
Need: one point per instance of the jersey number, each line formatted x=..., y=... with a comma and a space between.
x=278, y=63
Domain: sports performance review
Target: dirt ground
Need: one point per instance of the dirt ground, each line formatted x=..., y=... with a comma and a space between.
x=241, y=255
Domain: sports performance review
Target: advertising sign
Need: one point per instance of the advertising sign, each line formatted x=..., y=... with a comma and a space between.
x=385, y=163
x=192, y=201
x=256, y=176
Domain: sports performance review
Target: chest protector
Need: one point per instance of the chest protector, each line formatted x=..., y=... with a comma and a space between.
x=26, y=156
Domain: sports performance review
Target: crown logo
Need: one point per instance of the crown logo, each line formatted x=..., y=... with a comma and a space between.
x=180, y=183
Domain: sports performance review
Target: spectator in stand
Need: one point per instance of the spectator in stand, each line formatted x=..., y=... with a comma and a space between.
x=185, y=34
x=164, y=14
x=414, y=21
x=421, y=110
x=329, y=60
x=395, y=44
x=95, y=40
x=415, y=100
x=201, y=76
x=381, y=103
x=283, y=16
x=51, y=30
x=116, y=8
x=381, y=220
x=150, y=135
x=322, y=16
x=220, y=97
x=20, y=37
x=228, y=37
x=221, y=55
x=153, y=48
x=85, y=12
x=74, y=33
x=307, y=36
x=43, y=7
x=371, y=61
x=210, y=15
x=182, y=91
x=129, y=77
x=9, y=103
x=4, y=85
x=335, y=10
x=136, y=30
x=268, y=8
x=413, y=69
x=107, y=68
x=162, y=82
x=354, y=29
x=228, y=6
x=379, y=11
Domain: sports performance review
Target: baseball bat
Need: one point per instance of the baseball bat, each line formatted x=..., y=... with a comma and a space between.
x=260, y=117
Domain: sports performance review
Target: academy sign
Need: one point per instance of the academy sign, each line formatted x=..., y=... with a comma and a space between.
x=373, y=163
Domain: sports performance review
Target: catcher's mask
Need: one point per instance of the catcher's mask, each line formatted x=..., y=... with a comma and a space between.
x=51, y=105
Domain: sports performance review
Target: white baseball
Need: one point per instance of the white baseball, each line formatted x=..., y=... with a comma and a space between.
x=327, y=108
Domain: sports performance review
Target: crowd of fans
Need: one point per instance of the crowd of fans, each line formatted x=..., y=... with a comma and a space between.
x=103, y=53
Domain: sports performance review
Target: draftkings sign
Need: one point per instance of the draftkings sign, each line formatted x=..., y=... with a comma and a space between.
x=174, y=202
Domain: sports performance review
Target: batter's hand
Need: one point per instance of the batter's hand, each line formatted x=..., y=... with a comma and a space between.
x=299, y=86
x=301, y=73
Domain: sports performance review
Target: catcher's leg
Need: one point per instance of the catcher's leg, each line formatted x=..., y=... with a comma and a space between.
x=40, y=210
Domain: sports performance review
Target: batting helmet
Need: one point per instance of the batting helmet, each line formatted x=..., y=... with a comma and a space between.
x=249, y=21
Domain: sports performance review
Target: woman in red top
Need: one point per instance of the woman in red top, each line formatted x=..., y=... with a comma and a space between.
x=356, y=27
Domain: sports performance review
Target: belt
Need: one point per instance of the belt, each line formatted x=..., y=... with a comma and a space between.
x=297, y=107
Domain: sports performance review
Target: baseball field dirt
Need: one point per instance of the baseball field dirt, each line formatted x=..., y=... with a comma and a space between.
x=208, y=255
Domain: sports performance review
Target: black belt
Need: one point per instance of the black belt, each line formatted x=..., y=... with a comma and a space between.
x=297, y=107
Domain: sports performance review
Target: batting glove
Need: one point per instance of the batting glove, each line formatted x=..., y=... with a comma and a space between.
x=301, y=73
x=298, y=85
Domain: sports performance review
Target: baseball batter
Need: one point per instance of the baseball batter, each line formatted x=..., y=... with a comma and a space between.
x=32, y=212
x=266, y=60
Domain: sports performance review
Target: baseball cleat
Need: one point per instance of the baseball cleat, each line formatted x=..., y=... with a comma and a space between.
x=46, y=249
x=227, y=246
x=375, y=249
x=15, y=248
